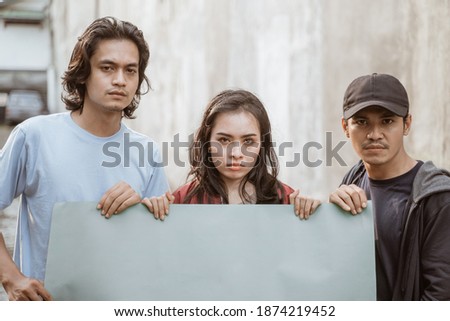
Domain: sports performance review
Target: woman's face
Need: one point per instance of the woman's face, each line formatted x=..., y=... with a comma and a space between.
x=234, y=145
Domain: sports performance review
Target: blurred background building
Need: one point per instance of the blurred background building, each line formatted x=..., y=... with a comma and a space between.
x=26, y=52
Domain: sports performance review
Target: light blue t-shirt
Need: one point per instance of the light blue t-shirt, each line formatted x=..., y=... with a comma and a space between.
x=50, y=159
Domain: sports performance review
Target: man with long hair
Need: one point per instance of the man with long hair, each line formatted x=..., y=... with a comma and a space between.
x=61, y=157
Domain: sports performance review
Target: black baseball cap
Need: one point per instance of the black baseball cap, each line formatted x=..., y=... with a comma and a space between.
x=376, y=90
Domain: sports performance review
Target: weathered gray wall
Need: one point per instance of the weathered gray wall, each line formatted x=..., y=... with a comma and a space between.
x=298, y=56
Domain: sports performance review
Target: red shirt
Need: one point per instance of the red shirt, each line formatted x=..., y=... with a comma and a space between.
x=181, y=193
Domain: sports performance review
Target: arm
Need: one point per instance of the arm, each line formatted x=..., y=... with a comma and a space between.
x=17, y=286
x=435, y=253
x=13, y=157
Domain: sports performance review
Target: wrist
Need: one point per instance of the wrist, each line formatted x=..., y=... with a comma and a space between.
x=9, y=275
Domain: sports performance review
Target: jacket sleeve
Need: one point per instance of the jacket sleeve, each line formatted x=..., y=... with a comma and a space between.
x=435, y=252
x=354, y=175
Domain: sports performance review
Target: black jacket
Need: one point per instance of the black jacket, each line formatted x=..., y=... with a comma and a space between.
x=424, y=262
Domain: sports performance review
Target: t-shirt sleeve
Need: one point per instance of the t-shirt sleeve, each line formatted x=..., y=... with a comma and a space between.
x=12, y=167
x=158, y=184
x=346, y=180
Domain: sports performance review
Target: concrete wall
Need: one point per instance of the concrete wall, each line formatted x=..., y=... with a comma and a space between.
x=298, y=56
x=409, y=39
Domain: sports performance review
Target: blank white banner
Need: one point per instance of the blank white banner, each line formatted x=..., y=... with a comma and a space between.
x=211, y=252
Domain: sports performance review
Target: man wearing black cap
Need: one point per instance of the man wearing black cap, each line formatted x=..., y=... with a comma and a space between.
x=411, y=199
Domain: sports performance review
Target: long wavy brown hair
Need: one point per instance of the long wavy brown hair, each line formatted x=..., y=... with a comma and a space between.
x=208, y=181
x=79, y=68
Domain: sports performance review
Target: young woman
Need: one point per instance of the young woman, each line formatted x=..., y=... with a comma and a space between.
x=233, y=160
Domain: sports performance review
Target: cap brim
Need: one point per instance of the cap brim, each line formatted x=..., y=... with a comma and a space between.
x=396, y=109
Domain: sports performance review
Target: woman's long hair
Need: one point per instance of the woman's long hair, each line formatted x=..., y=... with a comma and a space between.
x=79, y=69
x=208, y=181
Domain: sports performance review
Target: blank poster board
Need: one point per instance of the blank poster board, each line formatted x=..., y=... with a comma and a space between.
x=211, y=252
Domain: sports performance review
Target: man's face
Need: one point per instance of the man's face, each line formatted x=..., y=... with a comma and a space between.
x=377, y=134
x=114, y=76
